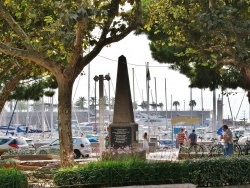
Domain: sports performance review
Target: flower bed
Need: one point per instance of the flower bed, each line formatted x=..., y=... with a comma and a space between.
x=123, y=154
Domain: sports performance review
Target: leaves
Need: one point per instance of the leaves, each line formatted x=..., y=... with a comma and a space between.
x=54, y=35
x=48, y=19
x=214, y=38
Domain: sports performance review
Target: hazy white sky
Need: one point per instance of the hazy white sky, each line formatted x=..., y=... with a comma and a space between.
x=137, y=53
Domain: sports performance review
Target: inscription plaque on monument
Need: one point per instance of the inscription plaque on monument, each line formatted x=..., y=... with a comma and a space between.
x=120, y=136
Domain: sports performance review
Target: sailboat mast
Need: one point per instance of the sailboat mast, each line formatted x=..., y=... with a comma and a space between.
x=43, y=115
x=133, y=87
x=147, y=86
x=202, y=109
x=27, y=117
x=51, y=117
x=191, y=107
x=230, y=109
x=214, y=115
x=11, y=117
x=88, y=92
x=166, y=104
x=172, y=135
x=155, y=96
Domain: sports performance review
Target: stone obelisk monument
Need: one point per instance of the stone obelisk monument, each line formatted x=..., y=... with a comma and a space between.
x=123, y=131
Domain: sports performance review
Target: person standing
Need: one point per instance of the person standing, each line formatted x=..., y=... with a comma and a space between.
x=193, y=138
x=181, y=138
x=107, y=139
x=227, y=136
x=186, y=135
x=145, y=145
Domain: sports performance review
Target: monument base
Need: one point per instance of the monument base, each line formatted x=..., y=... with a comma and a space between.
x=123, y=135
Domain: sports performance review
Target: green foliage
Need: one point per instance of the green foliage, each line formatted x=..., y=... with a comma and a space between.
x=51, y=24
x=57, y=36
x=53, y=151
x=208, y=41
x=12, y=178
x=20, y=151
x=31, y=86
x=220, y=171
x=10, y=161
x=124, y=173
x=34, y=90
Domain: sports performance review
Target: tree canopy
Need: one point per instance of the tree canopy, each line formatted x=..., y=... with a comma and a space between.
x=208, y=41
x=23, y=81
x=57, y=35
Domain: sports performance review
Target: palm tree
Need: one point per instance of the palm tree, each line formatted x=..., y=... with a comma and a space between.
x=154, y=105
x=81, y=102
x=143, y=105
x=161, y=105
x=192, y=103
x=176, y=103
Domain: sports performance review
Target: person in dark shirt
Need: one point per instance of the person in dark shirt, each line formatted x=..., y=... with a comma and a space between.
x=193, y=138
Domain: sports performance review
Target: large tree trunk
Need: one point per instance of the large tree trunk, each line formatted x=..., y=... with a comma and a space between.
x=64, y=122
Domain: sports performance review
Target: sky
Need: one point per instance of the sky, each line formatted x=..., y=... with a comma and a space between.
x=137, y=52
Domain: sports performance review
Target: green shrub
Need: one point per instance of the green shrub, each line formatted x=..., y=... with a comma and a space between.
x=12, y=178
x=115, y=173
x=220, y=171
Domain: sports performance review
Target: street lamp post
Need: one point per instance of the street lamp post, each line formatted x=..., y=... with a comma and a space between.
x=96, y=78
x=101, y=78
x=108, y=79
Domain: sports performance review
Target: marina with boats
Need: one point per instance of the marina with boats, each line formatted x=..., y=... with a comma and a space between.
x=159, y=124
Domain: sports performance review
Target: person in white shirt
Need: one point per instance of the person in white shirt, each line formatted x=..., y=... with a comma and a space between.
x=227, y=136
x=145, y=142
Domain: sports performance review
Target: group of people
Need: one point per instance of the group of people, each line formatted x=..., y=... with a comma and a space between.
x=183, y=137
x=227, y=137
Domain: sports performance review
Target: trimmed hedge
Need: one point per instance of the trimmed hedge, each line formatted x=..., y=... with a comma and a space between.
x=121, y=173
x=218, y=171
x=12, y=178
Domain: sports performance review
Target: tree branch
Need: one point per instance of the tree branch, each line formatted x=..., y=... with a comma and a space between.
x=79, y=38
x=136, y=21
x=31, y=55
x=19, y=31
x=77, y=53
x=113, y=11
